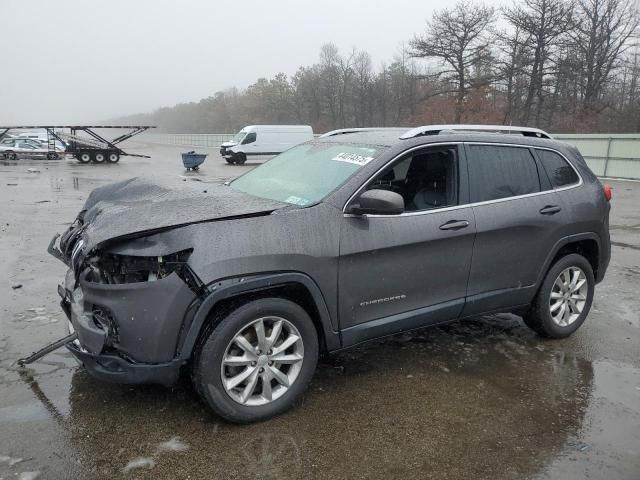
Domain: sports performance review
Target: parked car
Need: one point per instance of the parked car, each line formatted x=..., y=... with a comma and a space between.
x=264, y=140
x=334, y=242
x=42, y=139
x=14, y=148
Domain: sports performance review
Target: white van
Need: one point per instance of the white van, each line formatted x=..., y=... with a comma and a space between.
x=264, y=140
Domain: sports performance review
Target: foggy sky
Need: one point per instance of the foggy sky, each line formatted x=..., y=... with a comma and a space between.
x=69, y=61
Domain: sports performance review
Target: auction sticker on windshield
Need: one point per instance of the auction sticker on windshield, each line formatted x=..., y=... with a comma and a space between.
x=352, y=158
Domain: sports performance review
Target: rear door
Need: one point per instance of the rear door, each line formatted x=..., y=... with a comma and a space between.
x=518, y=222
x=398, y=272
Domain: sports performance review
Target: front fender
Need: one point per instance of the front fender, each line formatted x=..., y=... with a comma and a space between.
x=233, y=287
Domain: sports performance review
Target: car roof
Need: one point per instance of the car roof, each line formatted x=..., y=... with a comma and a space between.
x=366, y=137
x=391, y=137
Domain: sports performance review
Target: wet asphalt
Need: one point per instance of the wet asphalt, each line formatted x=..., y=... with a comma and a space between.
x=481, y=398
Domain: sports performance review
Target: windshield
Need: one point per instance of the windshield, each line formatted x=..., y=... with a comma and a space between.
x=306, y=174
x=239, y=136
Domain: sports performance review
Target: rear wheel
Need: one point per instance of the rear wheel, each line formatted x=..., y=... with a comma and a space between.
x=84, y=157
x=52, y=156
x=99, y=157
x=257, y=361
x=113, y=157
x=564, y=299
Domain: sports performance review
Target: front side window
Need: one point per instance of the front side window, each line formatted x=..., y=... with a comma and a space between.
x=239, y=136
x=306, y=174
x=499, y=172
x=559, y=171
x=250, y=138
x=426, y=179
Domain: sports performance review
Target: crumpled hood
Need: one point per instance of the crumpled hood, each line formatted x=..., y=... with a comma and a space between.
x=142, y=204
x=228, y=144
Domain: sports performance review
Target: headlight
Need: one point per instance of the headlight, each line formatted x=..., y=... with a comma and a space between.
x=114, y=269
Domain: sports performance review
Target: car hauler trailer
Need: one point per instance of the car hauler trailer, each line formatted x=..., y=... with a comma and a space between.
x=83, y=142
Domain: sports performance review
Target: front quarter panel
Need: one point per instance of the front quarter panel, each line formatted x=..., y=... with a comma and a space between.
x=292, y=239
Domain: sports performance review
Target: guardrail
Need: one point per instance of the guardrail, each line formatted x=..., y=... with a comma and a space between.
x=210, y=140
x=608, y=155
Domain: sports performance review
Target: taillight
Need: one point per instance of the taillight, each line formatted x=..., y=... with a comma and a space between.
x=607, y=192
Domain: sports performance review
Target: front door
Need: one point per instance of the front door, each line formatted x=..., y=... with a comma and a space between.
x=398, y=272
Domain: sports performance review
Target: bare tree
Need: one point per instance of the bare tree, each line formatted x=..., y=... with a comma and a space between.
x=601, y=31
x=457, y=37
x=543, y=23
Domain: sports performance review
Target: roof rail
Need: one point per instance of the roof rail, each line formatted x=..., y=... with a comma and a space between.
x=344, y=131
x=438, y=129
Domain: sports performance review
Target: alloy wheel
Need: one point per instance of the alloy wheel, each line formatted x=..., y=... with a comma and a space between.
x=568, y=296
x=262, y=361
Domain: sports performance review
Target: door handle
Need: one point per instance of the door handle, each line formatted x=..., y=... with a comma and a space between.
x=454, y=225
x=550, y=210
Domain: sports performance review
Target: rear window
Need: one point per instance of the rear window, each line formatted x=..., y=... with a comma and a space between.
x=558, y=170
x=499, y=172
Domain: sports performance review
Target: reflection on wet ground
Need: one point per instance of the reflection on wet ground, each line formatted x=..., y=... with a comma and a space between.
x=483, y=398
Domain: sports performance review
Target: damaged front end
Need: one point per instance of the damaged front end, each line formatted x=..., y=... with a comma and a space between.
x=129, y=312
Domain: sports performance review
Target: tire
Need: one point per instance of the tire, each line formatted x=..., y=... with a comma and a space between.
x=240, y=158
x=10, y=155
x=84, y=157
x=230, y=161
x=99, y=157
x=113, y=157
x=570, y=305
x=219, y=342
x=52, y=156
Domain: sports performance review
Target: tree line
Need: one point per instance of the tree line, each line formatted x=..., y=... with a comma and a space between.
x=561, y=65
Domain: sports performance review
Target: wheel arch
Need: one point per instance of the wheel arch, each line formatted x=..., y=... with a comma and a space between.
x=228, y=294
x=585, y=244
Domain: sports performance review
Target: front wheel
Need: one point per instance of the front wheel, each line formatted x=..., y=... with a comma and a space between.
x=564, y=299
x=257, y=361
x=10, y=155
x=240, y=158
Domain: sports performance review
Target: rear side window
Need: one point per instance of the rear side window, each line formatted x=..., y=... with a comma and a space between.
x=558, y=170
x=499, y=172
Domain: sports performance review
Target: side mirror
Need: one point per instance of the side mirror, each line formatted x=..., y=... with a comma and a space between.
x=379, y=202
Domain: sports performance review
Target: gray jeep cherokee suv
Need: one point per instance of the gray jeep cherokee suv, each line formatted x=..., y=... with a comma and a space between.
x=347, y=238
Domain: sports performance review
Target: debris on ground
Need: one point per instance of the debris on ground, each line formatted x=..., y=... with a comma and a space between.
x=43, y=201
x=140, y=462
x=12, y=184
x=17, y=286
x=33, y=170
x=29, y=475
x=173, y=445
x=37, y=310
x=11, y=461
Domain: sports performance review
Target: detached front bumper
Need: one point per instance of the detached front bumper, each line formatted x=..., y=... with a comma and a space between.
x=112, y=368
x=127, y=333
